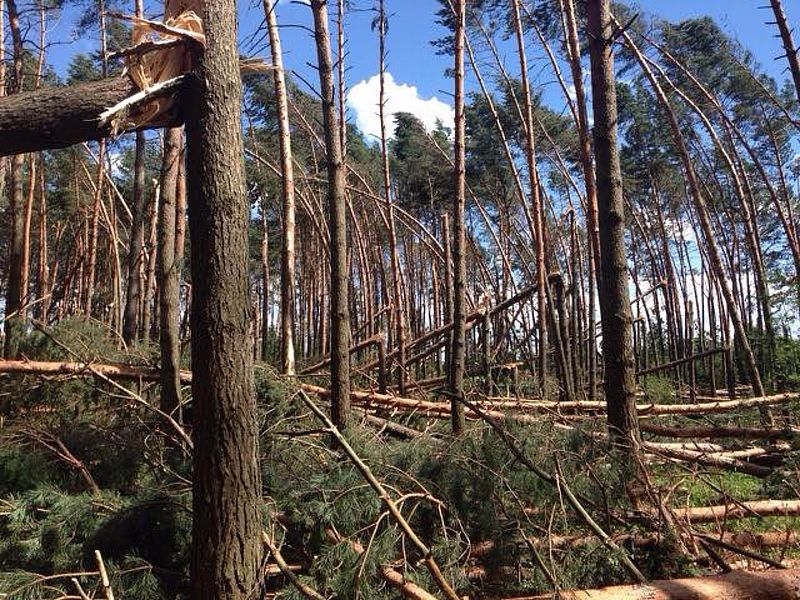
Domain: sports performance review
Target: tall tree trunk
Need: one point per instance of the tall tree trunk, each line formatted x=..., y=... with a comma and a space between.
x=130, y=321
x=342, y=92
x=149, y=275
x=265, y=278
x=584, y=137
x=168, y=275
x=14, y=322
x=615, y=308
x=27, y=218
x=287, y=182
x=226, y=523
x=337, y=224
x=131, y=312
x=399, y=313
x=535, y=214
x=458, y=349
x=43, y=291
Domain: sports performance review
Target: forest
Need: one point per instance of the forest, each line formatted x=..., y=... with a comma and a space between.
x=544, y=346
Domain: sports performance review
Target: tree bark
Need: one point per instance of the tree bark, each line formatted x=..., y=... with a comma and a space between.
x=168, y=274
x=458, y=342
x=615, y=307
x=130, y=321
x=56, y=117
x=337, y=223
x=287, y=183
x=226, y=524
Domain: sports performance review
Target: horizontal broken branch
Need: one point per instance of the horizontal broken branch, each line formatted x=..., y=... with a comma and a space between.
x=60, y=116
x=43, y=368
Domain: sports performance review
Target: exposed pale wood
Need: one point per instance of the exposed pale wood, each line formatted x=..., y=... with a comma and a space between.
x=35, y=367
x=736, y=585
x=55, y=117
x=740, y=510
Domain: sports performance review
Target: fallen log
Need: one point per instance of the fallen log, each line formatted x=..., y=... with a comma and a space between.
x=423, y=407
x=720, y=406
x=719, y=432
x=711, y=460
x=736, y=585
x=78, y=369
x=60, y=116
x=740, y=510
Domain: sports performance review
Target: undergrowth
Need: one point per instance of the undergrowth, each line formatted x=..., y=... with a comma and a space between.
x=459, y=495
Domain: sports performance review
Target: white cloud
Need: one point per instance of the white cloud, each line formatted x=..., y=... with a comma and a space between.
x=362, y=100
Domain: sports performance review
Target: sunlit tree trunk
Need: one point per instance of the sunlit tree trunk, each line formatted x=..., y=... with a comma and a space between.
x=337, y=223
x=226, y=486
x=168, y=274
x=458, y=350
x=615, y=308
x=287, y=182
x=536, y=214
x=788, y=43
x=397, y=291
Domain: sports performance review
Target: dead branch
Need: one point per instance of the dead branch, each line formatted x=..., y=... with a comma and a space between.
x=430, y=561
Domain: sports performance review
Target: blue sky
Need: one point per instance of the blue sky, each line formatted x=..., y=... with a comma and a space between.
x=419, y=84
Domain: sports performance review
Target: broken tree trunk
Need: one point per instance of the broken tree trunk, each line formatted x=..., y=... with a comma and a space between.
x=56, y=117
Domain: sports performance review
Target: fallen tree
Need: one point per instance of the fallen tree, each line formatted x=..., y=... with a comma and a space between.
x=719, y=432
x=740, y=510
x=60, y=116
x=81, y=369
x=736, y=585
x=719, y=460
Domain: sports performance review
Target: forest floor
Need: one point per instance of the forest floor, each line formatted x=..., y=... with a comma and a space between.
x=506, y=509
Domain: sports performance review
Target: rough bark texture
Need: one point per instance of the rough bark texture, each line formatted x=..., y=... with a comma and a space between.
x=287, y=183
x=615, y=308
x=458, y=345
x=168, y=275
x=337, y=223
x=130, y=320
x=226, y=548
x=56, y=117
